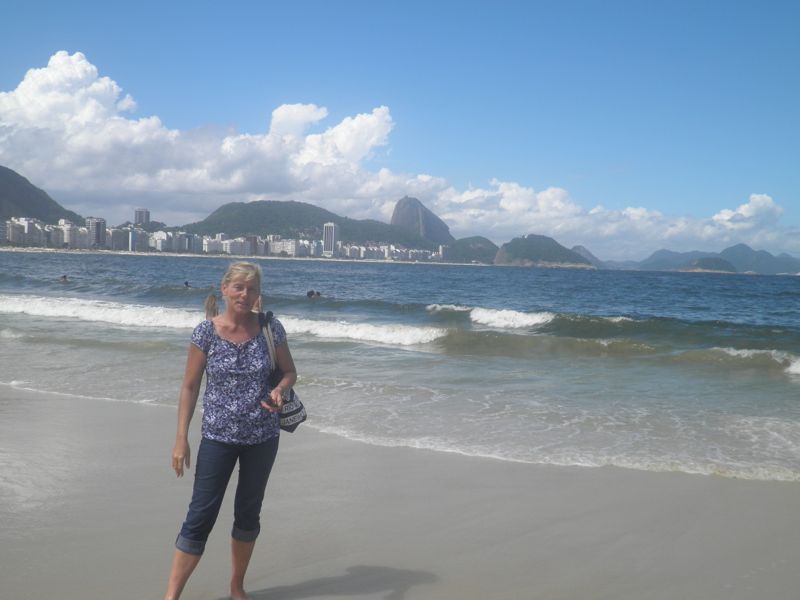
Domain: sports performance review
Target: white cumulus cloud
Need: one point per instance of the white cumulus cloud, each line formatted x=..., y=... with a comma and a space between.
x=759, y=210
x=74, y=133
x=69, y=130
x=295, y=119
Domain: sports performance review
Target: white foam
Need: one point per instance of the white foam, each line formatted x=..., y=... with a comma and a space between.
x=574, y=457
x=25, y=386
x=618, y=319
x=447, y=308
x=401, y=335
x=790, y=362
x=140, y=315
x=794, y=367
x=510, y=318
x=136, y=315
x=10, y=334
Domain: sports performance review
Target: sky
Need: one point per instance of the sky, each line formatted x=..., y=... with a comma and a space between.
x=623, y=126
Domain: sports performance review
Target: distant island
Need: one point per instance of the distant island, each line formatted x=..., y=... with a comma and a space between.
x=713, y=264
x=539, y=251
x=30, y=217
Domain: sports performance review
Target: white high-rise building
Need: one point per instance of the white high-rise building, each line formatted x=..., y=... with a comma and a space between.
x=237, y=246
x=15, y=232
x=330, y=235
x=212, y=246
x=70, y=234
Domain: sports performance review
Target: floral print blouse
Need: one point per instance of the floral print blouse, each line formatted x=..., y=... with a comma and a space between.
x=236, y=382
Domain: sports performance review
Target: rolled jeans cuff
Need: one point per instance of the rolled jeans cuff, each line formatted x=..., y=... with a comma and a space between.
x=190, y=546
x=245, y=535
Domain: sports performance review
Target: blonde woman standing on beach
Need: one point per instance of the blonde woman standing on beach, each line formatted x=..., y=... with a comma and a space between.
x=240, y=424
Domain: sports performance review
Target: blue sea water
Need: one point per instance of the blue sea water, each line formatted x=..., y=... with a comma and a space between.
x=691, y=372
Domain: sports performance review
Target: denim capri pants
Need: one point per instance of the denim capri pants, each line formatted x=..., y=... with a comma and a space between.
x=214, y=465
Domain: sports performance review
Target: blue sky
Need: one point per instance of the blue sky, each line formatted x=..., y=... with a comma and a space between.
x=506, y=117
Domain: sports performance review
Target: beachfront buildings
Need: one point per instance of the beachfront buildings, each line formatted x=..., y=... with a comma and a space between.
x=330, y=235
x=97, y=232
x=131, y=238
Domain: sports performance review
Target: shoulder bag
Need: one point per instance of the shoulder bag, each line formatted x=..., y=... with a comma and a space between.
x=292, y=412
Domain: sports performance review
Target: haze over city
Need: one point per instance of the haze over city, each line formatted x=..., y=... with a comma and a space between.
x=621, y=126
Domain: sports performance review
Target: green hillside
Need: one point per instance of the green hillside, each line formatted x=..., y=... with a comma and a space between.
x=471, y=249
x=533, y=249
x=298, y=220
x=20, y=198
x=712, y=263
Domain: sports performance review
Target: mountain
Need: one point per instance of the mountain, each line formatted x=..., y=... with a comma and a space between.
x=584, y=252
x=741, y=258
x=411, y=215
x=745, y=259
x=20, y=198
x=298, y=219
x=667, y=260
x=711, y=263
x=471, y=249
x=538, y=250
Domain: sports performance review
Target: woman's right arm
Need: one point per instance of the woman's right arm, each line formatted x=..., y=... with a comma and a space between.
x=190, y=389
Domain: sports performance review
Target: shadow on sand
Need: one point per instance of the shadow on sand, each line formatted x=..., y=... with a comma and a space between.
x=359, y=580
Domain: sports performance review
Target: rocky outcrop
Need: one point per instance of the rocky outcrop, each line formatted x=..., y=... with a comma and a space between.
x=411, y=215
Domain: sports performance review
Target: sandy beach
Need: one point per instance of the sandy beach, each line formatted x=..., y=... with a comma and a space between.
x=91, y=509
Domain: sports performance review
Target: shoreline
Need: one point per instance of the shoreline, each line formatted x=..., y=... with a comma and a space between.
x=546, y=266
x=720, y=472
x=538, y=265
x=236, y=256
x=287, y=258
x=94, y=499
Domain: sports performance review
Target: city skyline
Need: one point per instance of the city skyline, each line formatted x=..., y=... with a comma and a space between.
x=621, y=127
x=29, y=232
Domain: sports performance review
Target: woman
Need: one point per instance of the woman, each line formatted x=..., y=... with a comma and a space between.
x=240, y=423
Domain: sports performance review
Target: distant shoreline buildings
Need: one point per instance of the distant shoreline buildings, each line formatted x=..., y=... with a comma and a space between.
x=28, y=232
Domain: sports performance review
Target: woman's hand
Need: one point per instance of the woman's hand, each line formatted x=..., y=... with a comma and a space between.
x=195, y=365
x=181, y=455
x=275, y=400
x=286, y=364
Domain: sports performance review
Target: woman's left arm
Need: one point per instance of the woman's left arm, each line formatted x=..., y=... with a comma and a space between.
x=286, y=365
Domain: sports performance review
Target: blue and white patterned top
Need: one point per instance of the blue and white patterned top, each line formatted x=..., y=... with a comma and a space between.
x=236, y=382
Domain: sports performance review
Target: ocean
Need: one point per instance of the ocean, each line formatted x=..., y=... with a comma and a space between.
x=658, y=371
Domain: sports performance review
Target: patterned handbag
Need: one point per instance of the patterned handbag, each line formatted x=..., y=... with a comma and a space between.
x=292, y=412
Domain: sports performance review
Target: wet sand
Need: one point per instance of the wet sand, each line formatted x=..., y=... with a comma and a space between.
x=89, y=508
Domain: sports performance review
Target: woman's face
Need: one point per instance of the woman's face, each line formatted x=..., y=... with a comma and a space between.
x=241, y=294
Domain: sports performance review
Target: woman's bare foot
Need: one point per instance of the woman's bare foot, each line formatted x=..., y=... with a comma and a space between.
x=239, y=593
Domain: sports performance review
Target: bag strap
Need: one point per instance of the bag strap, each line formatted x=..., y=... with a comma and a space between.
x=265, y=320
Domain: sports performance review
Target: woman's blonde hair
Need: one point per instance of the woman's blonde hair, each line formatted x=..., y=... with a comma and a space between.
x=245, y=270
x=212, y=310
